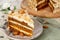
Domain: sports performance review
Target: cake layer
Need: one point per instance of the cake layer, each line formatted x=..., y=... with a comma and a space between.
x=26, y=33
x=51, y=6
x=23, y=23
x=20, y=24
x=20, y=27
x=23, y=18
x=54, y=4
x=41, y=3
x=15, y=32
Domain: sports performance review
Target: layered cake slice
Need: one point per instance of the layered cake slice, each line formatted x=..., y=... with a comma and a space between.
x=54, y=4
x=20, y=23
x=41, y=3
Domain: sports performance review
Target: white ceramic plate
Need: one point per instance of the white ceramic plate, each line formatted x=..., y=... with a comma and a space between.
x=37, y=32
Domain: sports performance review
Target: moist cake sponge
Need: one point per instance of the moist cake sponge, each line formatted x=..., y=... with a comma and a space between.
x=21, y=22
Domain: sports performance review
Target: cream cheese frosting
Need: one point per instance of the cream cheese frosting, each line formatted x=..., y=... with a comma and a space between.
x=23, y=18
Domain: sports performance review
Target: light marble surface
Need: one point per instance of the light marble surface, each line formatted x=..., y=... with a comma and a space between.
x=53, y=30
x=51, y=33
x=3, y=18
x=52, y=21
x=16, y=3
x=3, y=36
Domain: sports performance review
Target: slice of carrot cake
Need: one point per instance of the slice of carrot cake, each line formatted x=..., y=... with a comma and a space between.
x=19, y=22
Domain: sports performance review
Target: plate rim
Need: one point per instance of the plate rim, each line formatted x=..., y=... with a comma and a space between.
x=32, y=37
